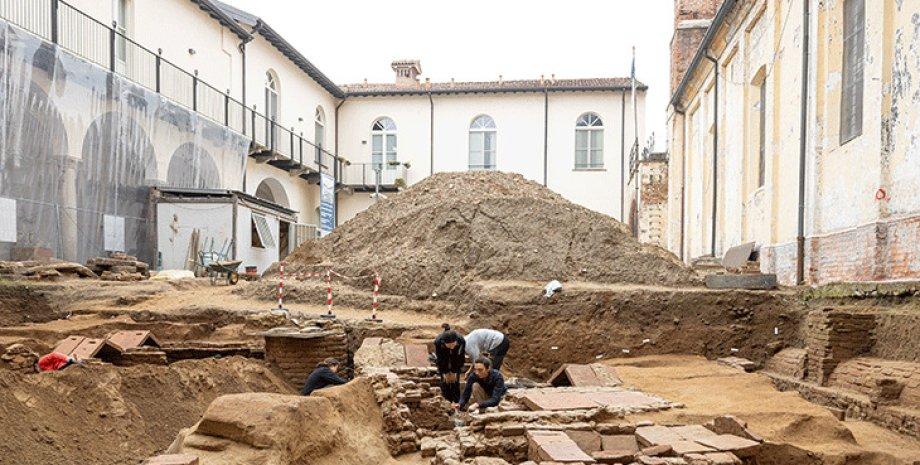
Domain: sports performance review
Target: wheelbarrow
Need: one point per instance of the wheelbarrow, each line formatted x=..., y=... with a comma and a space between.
x=226, y=269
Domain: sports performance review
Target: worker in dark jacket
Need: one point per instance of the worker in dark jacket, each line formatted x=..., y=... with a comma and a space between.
x=323, y=376
x=485, y=387
x=449, y=349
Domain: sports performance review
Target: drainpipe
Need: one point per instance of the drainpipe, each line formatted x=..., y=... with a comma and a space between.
x=430, y=131
x=242, y=48
x=336, y=164
x=683, y=175
x=803, y=146
x=623, y=155
x=715, y=151
x=545, y=137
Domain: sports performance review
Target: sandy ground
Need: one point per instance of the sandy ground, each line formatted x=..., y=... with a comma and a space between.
x=709, y=389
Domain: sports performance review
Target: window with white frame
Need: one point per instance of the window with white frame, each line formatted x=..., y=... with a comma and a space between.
x=120, y=8
x=319, y=132
x=261, y=232
x=589, y=142
x=383, y=143
x=483, y=135
x=271, y=106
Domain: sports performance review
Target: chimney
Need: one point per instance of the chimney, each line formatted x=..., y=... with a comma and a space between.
x=691, y=20
x=407, y=72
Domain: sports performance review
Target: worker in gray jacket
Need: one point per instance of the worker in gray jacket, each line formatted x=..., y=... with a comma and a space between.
x=487, y=341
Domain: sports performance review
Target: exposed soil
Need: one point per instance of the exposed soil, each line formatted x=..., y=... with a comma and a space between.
x=100, y=414
x=22, y=303
x=811, y=433
x=452, y=229
x=589, y=321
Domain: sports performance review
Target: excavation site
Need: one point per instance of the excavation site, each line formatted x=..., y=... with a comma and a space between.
x=612, y=351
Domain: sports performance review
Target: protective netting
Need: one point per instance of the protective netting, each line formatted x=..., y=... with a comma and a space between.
x=80, y=149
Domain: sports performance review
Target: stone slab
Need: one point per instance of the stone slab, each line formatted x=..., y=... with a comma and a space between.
x=728, y=443
x=588, y=441
x=572, y=374
x=556, y=401
x=88, y=349
x=693, y=432
x=737, y=257
x=555, y=446
x=613, y=456
x=656, y=435
x=133, y=339
x=624, y=399
x=417, y=355
x=689, y=447
x=67, y=346
x=714, y=458
x=752, y=282
x=620, y=442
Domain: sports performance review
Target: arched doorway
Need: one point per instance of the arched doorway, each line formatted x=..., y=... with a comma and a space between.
x=271, y=189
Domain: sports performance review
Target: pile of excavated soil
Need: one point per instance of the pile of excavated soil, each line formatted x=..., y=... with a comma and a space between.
x=24, y=303
x=99, y=414
x=456, y=228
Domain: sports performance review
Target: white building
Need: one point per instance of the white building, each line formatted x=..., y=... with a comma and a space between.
x=212, y=99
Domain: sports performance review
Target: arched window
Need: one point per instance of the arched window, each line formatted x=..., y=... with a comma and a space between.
x=482, y=143
x=589, y=142
x=383, y=143
x=319, y=132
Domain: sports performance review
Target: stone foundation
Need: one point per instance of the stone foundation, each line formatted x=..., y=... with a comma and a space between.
x=296, y=352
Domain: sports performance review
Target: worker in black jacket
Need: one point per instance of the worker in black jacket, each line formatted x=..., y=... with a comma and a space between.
x=485, y=387
x=323, y=376
x=449, y=349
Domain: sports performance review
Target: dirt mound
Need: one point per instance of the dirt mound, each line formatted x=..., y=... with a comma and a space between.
x=337, y=426
x=22, y=303
x=103, y=414
x=455, y=228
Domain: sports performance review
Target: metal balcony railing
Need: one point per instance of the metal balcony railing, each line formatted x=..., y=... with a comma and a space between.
x=73, y=30
x=364, y=175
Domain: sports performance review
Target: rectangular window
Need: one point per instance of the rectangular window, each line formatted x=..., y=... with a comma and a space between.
x=121, y=27
x=762, y=136
x=482, y=150
x=854, y=44
x=261, y=233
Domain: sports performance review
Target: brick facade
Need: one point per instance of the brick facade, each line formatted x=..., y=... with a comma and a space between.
x=833, y=337
x=885, y=250
x=653, y=196
x=690, y=24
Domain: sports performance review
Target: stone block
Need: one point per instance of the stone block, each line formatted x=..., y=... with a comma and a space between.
x=613, y=456
x=656, y=435
x=728, y=443
x=620, y=442
x=655, y=451
x=173, y=459
x=555, y=446
x=588, y=441
x=741, y=281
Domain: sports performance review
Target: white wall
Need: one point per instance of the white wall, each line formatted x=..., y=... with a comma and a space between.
x=175, y=222
x=519, y=119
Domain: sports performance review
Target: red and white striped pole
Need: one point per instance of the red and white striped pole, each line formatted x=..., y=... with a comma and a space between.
x=329, y=313
x=376, y=302
x=281, y=289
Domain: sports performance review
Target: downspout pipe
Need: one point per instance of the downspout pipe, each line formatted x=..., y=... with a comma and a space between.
x=715, y=150
x=336, y=164
x=803, y=146
x=430, y=132
x=242, y=48
x=683, y=176
x=623, y=155
x=545, y=136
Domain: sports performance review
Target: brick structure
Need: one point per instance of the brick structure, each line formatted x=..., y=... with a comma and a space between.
x=833, y=337
x=691, y=19
x=296, y=352
x=653, y=199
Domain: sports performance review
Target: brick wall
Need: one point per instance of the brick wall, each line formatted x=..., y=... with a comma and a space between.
x=866, y=375
x=879, y=251
x=653, y=210
x=833, y=337
x=689, y=29
x=296, y=355
x=789, y=362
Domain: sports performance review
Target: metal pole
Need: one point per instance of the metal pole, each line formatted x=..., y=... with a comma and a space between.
x=159, y=66
x=112, y=47
x=55, y=4
x=195, y=91
x=803, y=148
x=227, y=108
x=377, y=170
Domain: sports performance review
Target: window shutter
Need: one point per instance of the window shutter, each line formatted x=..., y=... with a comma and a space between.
x=854, y=44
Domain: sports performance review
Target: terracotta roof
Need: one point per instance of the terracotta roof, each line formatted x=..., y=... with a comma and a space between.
x=524, y=85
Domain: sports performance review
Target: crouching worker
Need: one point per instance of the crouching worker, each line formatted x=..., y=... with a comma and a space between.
x=55, y=362
x=485, y=387
x=449, y=349
x=323, y=376
x=488, y=342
